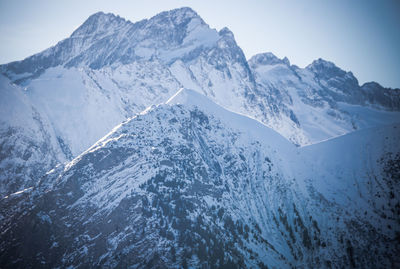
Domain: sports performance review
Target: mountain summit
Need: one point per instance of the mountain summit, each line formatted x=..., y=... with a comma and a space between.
x=106, y=39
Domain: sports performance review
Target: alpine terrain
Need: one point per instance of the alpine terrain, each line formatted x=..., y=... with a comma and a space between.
x=157, y=144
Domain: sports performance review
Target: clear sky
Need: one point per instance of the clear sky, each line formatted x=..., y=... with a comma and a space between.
x=362, y=36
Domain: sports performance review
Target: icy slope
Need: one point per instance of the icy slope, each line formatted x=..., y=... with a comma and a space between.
x=28, y=148
x=359, y=172
x=189, y=183
x=85, y=104
x=74, y=108
x=352, y=183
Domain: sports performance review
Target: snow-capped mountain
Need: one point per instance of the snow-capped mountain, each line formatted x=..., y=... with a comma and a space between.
x=190, y=184
x=85, y=87
x=208, y=177
x=322, y=100
x=114, y=68
x=90, y=64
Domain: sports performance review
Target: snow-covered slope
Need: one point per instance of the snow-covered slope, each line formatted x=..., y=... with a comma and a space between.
x=322, y=100
x=355, y=181
x=113, y=68
x=181, y=47
x=28, y=148
x=85, y=104
x=351, y=174
x=189, y=183
x=157, y=191
x=124, y=67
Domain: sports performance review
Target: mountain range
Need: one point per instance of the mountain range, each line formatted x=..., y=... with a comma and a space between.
x=158, y=144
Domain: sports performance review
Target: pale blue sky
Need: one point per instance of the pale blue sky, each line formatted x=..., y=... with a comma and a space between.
x=358, y=35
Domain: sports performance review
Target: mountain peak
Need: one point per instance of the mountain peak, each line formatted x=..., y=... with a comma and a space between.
x=99, y=22
x=267, y=58
x=100, y=14
x=326, y=69
x=183, y=11
x=226, y=32
x=371, y=84
x=177, y=16
x=105, y=38
x=322, y=64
